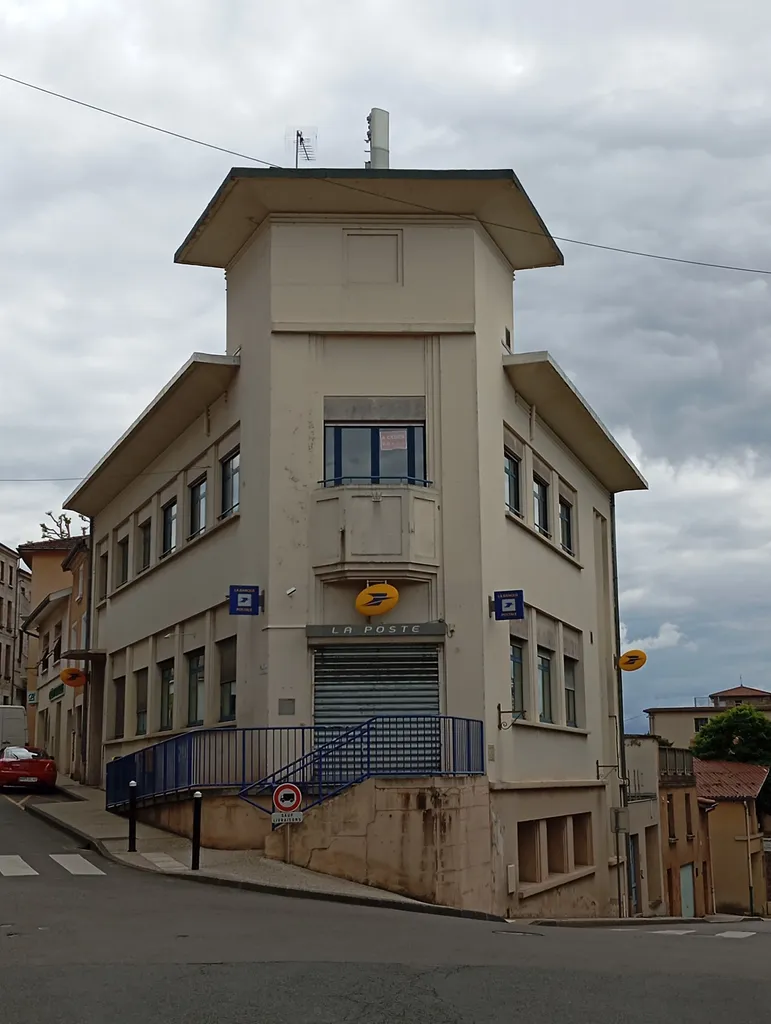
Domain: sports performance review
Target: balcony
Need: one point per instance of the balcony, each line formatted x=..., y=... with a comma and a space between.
x=372, y=523
x=676, y=764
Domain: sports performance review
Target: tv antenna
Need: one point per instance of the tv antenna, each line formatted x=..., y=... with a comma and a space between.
x=303, y=144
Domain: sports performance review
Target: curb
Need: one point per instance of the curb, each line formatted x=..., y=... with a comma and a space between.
x=263, y=887
x=633, y=922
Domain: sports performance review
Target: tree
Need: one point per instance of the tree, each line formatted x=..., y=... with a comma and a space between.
x=59, y=527
x=740, y=734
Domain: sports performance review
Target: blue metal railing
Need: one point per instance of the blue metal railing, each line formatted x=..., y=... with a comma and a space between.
x=386, y=746
x=322, y=759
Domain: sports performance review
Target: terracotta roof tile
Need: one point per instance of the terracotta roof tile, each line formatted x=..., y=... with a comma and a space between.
x=742, y=691
x=728, y=780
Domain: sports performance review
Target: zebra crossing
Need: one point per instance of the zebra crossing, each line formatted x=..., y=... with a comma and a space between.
x=14, y=866
x=682, y=932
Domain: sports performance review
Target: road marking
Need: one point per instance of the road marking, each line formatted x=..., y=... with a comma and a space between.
x=164, y=862
x=75, y=864
x=674, y=931
x=734, y=935
x=11, y=800
x=15, y=867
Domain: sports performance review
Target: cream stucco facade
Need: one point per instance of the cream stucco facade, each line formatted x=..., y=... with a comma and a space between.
x=15, y=589
x=371, y=420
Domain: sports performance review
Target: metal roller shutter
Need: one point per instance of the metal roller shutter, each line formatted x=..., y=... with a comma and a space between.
x=355, y=682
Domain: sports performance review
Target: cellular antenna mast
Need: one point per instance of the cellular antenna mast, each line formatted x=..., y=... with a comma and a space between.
x=377, y=139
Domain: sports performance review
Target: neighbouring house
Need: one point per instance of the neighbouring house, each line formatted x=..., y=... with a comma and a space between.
x=48, y=587
x=14, y=604
x=731, y=790
x=372, y=423
x=669, y=846
x=679, y=725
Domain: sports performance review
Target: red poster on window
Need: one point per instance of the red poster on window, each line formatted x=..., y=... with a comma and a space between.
x=393, y=440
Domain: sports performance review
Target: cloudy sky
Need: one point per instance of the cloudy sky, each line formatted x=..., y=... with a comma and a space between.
x=638, y=126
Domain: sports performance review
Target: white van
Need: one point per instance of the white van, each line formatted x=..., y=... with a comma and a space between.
x=13, y=726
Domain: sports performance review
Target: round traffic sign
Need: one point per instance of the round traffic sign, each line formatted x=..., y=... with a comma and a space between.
x=287, y=797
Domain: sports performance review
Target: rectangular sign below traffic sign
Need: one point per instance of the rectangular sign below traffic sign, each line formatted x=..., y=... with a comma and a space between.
x=508, y=604
x=286, y=817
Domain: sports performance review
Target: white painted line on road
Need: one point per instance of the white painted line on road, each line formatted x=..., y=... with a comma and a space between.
x=164, y=862
x=734, y=935
x=75, y=864
x=15, y=867
x=674, y=931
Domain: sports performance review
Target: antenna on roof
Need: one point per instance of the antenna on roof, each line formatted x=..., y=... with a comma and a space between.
x=377, y=138
x=302, y=142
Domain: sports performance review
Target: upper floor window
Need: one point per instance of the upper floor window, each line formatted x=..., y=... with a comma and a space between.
x=9, y=617
x=390, y=454
x=512, y=467
x=10, y=575
x=699, y=723
x=57, y=643
x=566, y=526
x=122, y=562
x=102, y=578
x=541, y=505
x=231, y=482
x=145, y=537
x=517, y=677
x=571, y=704
x=2, y=571
x=544, y=686
x=169, y=531
x=198, y=507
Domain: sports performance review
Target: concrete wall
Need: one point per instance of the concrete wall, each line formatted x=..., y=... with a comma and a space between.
x=227, y=821
x=731, y=868
x=425, y=838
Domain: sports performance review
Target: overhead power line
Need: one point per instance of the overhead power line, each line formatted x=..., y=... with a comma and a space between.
x=428, y=209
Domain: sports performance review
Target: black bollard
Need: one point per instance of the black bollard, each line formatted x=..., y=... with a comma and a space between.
x=132, y=822
x=196, y=855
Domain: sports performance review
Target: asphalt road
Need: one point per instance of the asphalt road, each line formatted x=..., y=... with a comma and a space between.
x=124, y=946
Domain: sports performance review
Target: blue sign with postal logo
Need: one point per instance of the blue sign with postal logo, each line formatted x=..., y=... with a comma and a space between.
x=246, y=600
x=508, y=604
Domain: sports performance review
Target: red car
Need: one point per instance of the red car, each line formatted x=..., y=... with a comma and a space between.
x=27, y=766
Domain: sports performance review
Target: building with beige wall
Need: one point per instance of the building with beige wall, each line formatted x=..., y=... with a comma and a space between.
x=669, y=843
x=47, y=578
x=372, y=420
x=14, y=605
x=679, y=725
x=732, y=789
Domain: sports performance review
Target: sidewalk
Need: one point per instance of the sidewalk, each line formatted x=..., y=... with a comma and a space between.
x=83, y=815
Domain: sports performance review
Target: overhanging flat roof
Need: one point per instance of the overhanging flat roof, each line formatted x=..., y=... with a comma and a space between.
x=540, y=381
x=250, y=194
x=200, y=381
x=49, y=603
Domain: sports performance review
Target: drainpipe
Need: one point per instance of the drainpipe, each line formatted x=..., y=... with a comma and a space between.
x=751, y=884
x=620, y=693
x=87, y=664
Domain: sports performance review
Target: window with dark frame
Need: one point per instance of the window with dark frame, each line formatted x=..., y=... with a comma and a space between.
x=230, y=468
x=566, y=526
x=671, y=818
x=227, y=650
x=144, y=547
x=169, y=528
x=9, y=616
x=119, y=686
x=541, y=505
x=571, y=705
x=167, y=694
x=103, y=576
x=140, y=679
x=45, y=653
x=57, y=651
x=699, y=723
x=196, y=682
x=512, y=468
x=688, y=817
x=516, y=660
x=357, y=453
x=544, y=685
x=122, y=562
x=198, y=507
